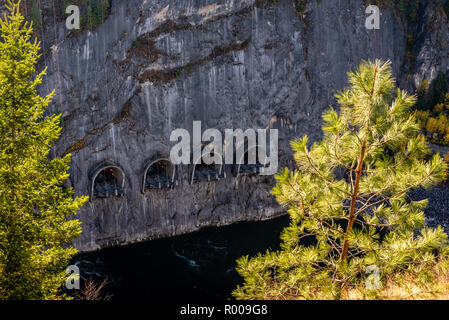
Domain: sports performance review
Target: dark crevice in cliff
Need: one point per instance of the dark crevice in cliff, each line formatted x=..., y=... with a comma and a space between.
x=165, y=76
x=170, y=26
x=122, y=115
x=145, y=47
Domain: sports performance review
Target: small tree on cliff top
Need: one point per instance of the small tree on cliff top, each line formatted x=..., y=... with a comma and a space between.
x=34, y=206
x=348, y=202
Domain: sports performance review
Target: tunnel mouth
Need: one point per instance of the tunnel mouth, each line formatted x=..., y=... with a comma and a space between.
x=159, y=174
x=107, y=182
x=206, y=172
x=245, y=168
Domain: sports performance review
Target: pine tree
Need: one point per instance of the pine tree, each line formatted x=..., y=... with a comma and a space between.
x=347, y=201
x=34, y=206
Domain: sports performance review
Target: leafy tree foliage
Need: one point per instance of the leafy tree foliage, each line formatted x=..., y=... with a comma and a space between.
x=34, y=205
x=348, y=204
x=93, y=12
x=433, y=109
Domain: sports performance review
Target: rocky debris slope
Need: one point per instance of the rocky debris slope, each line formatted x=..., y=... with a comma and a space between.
x=437, y=212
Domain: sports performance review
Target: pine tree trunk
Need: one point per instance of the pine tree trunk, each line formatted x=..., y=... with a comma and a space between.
x=344, y=252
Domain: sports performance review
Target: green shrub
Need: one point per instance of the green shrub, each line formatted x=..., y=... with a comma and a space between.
x=433, y=109
x=93, y=12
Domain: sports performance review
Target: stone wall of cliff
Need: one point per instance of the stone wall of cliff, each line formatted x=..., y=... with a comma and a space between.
x=154, y=66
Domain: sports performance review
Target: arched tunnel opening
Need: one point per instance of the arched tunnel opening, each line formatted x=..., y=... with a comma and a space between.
x=108, y=182
x=247, y=167
x=206, y=172
x=159, y=174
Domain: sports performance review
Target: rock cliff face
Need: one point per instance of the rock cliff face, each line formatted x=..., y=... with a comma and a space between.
x=154, y=66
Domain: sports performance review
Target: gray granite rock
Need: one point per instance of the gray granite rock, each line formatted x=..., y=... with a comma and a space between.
x=154, y=66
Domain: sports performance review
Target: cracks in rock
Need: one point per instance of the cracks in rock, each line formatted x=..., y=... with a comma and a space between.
x=122, y=115
x=166, y=76
x=145, y=45
x=170, y=26
x=78, y=145
x=215, y=207
x=102, y=149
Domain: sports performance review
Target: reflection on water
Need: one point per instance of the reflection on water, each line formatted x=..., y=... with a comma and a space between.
x=197, y=265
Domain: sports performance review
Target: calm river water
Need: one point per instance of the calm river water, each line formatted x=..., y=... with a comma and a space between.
x=197, y=265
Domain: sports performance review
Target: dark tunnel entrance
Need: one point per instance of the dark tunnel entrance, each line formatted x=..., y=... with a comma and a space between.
x=108, y=182
x=159, y=174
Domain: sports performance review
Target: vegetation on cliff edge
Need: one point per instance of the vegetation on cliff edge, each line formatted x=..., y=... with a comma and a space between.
x=354, y=233
x=34, y=205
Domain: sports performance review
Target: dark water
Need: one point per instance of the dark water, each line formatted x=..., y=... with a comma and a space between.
x=198, y=265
